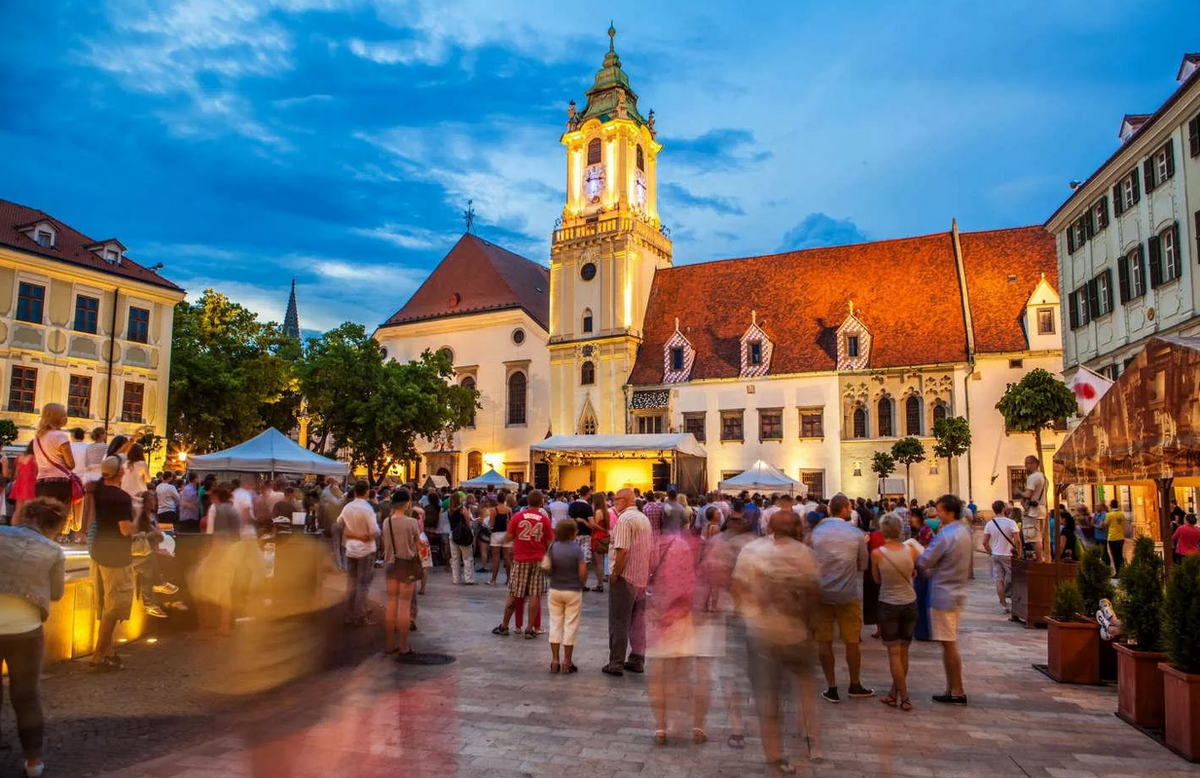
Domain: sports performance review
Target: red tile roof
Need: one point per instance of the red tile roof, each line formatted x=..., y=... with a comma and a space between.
x=478, y=276
x=69, y=246
x=905, y=291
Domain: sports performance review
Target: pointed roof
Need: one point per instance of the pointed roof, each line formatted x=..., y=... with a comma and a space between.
x=604, y=98
x=478, y=276
x=291, y=319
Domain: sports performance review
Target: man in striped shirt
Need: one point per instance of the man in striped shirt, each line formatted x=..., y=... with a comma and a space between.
x=631, y=545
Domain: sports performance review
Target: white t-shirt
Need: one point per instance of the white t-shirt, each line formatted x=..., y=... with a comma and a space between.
x=359, y=518
x=137, y=475
x=559, y=510
x=243, y=502
x=79, y=453
x=47, y=454
x=168, y=497
x=1036, y=483
x=998, y=529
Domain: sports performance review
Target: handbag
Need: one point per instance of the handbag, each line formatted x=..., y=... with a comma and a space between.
x=76, y=484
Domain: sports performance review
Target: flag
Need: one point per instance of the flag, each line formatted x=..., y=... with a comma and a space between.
x=1089, y=387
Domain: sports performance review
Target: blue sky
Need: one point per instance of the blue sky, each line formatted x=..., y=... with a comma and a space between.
x=241, y=143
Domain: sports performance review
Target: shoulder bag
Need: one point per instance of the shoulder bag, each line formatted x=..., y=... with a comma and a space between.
x=1015, y=550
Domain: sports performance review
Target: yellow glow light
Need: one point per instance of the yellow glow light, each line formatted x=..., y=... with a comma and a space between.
x=183, y=455
x=151, y=641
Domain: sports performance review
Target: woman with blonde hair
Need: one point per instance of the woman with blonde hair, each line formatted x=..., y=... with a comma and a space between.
x=52, y=453
x=893, y=565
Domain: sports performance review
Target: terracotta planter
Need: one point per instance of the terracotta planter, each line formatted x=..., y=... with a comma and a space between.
x=1139, y=686
x=1181, y=695
x=1073, y=651
x=1033, y=588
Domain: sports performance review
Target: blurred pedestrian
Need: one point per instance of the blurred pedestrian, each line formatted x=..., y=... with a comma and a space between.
x=112, y=561
x=359, y=533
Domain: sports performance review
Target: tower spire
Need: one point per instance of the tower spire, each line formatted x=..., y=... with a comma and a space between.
x=291, y=319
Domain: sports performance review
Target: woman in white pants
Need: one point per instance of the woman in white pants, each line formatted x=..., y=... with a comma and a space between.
x=462, y=542
x=567, y=575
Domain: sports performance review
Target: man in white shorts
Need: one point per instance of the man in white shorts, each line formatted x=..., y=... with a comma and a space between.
x=1000, y=539
x=948, y=563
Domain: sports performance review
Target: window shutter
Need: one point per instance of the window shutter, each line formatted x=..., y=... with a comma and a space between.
x=1118, y=201
x=1141, y=266
x=1148, y=174
x=1170, y=157
x=1103, y=212
x=1073, y=306
x=1108, y=288
x=1197, y=233
x=1156, y=269
x=1093, y=299
x=1071, y=238
x=1137, y=192
x=1123, y=277
x=1089, y=224
x=1194, y=137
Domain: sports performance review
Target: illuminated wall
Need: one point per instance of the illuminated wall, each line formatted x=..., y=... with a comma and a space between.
x=614, y=474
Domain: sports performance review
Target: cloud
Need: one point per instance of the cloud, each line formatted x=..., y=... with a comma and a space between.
x=408, y=52
x=292, y=102
x=407, y=237
x=677, y=195
x=818, y=229
x=724, y=148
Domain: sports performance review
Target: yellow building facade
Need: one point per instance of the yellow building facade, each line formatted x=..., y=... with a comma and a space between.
x=83, y=325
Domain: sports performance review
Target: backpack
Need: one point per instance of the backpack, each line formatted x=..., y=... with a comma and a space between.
x=460, y=532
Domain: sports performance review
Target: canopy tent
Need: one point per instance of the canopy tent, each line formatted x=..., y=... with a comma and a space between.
x=765, y=478
x=490, y=478
x=438, y=482
x=1145, y=429
x=268, y=452
x=683, y=443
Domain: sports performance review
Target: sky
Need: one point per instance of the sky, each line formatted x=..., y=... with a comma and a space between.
x=245, y=143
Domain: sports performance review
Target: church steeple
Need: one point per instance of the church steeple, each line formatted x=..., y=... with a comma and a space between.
x=611, y=96
x=291, y=319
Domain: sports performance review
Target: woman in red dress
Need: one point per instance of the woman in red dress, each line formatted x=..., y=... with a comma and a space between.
x=24, y=481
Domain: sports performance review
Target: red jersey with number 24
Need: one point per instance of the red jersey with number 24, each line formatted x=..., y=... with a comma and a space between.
x=531, y=534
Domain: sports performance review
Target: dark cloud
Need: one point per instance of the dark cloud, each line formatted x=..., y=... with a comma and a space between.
x=676, y=195
x=818, y=229
x=719, y=149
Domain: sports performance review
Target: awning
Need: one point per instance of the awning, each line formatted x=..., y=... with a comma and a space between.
x=490, y=478
x=268, y=452
x=765, y=478
x=602, y=445
x=1146, y=427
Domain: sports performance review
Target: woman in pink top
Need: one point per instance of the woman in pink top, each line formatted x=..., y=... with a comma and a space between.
x=52, y=452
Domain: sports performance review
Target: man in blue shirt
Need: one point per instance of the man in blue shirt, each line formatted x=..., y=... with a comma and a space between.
x=841, y=551
x=948, y=561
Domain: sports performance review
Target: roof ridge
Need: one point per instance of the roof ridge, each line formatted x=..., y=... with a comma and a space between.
x=805, y=251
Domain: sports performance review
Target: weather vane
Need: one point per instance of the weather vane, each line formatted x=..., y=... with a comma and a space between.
x=469, y=215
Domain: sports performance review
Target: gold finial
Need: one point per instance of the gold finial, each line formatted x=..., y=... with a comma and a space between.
x=754, y=317
x=851, y=307
x=612, y=33
x=677, y=324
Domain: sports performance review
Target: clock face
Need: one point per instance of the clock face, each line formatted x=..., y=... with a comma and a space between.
x=593, y=182
x=639, y=188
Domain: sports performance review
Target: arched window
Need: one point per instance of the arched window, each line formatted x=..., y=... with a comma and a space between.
x=940, y=411
x=447, y=353
x=641, y=158
x=886, y=427
x=469, y=383
x=517, y=386
x=587, y=319
x=593, y=156
x=860, y=422
x=587, y=421
x=474, y=464
x=912, y=416
x=587, y=373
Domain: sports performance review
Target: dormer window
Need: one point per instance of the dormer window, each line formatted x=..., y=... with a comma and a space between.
x=677, y=359
x=41, y=232
x=756, y=353
x=111, y=250
x=111, y=256
x=756, y=350
x=852, y=346
x=853, y=343
x=678, y=356
x=44, y=238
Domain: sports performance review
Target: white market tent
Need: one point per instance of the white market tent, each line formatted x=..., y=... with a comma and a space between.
x=268, y=452
x=490, y=478
x=765, y=478
x=683, y=443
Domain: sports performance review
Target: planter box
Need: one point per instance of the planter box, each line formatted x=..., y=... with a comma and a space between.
x=1033, y=588
x=1181, y=697
x=1139, y=687
x=1073, y=651
x=1108, y=660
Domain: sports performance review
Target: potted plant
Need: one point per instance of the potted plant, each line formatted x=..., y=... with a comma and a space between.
x=1072, y=639
x=1095, y=584
x=1139, y=604
x=1181, y=675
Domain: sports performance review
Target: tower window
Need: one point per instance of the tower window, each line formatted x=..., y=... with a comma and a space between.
x=641, y=159
x=587, y=373
x=1045, y=321
x=677, y=359
x=593, y=154
x=852, y=346
x=756, y=353
x=516, y=398
x=587, y=319
x=518, y=336
x=588, y=271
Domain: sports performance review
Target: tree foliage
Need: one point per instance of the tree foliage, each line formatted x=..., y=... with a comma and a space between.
x=953, y=439
x=883, y=464
x=908, y=451
x=1181, y=615
x=377, y=410
x=1139, y=601
x=8, y=432
x=1035, y=403
x=232, y=375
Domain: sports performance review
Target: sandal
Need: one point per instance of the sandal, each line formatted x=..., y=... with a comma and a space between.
x=571, y=668
x=782, y=767
x=889, y=700
x=698, y=736
x=599, y=589
x=554, y=668
x=500, y=631
x=660, y=737
x=530, y=634
x=736, y=741
x=905, y=704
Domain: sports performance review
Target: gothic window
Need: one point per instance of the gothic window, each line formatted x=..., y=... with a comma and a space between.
x=940, y=411
x=641, y=159
x=517, y=386
x=912, y=416
x=587, y=373
x=587, y=424
x=474, y=464
x=593, y=154
x=860, y=422
x=469, y=383
x=886, y=427
x=587, y=319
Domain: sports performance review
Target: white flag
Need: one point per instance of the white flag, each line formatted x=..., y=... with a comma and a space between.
x=1089, y=387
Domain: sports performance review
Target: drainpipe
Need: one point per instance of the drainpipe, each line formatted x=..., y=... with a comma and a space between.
x=970, y=328
x=112, y=350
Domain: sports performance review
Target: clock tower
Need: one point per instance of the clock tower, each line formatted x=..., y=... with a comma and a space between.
x=604, y=254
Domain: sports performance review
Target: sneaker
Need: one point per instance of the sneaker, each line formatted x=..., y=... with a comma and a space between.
x=155, y=611
x=831, y=695
x=166, y=588
x=612, y=670
x=858, y=691
x=950, y=699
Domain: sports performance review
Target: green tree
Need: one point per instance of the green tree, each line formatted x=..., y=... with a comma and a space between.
x=883, y=464
x=377, y=410
x=8, y=432
x=953, y=436
x=908, y=451
x=1037, y=402
x=231, y=375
